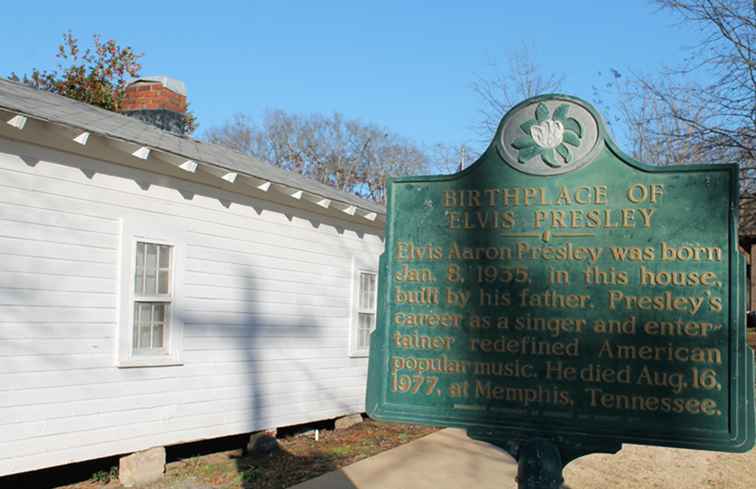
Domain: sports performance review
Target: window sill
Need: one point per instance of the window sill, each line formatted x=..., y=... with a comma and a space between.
x=359, y=354
x=149, y=361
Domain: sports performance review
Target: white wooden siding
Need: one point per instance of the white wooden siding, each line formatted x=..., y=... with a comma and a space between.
x=266, y=312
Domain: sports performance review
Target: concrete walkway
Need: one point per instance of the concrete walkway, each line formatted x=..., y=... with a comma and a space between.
x=445, y=459
x=448, y=459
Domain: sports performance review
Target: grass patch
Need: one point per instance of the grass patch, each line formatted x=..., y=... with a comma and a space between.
x=298, y=459
x=104, y=477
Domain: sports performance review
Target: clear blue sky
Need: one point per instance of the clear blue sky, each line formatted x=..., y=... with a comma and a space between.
x=405, y=65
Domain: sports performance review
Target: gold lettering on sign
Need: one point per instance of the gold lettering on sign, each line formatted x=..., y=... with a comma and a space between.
x=530, y=300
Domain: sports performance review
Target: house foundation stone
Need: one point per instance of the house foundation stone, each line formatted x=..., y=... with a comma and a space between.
x=141, y=467
x=262, y=442
x=348, y=421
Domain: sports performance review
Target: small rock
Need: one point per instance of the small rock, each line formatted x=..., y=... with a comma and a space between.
x=141, y=467
x=348, y=421
x=262, y=443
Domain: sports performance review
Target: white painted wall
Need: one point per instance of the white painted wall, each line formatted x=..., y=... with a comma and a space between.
x=266, y=311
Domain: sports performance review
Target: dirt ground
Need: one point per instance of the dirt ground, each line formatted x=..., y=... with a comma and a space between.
x=642, y=467
x=298, y=458
x=301, y=458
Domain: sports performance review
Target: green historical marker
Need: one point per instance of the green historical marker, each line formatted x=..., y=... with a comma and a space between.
x=558, y=298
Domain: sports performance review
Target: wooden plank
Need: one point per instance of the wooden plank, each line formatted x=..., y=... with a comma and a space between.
x=49, y=298
x=54, y=329
x=236, y=289
x=256, y=278
x=34, y=313
x=156, y=434
x=61, y=377
x=195, y=389
x=123, y=404
x=263, y=305
x=271, y=316
x=251, y=275
x=55, y=346
x=319, y=251
x=60, y=266
x=41, y=232
x=42, y=363
x=304, y=339
x=255, y=254
x=44, y=249
x=261, y=353
x=110, y=190
x=57, y=219
x=226, y=332
x=61, y=426
x=46, y=281
x=165, y=423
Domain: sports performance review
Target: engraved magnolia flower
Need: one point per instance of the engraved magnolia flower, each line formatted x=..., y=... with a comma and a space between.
x=548, y=134
x=549, y=137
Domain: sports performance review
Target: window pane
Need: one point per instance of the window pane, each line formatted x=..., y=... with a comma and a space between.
x=152, y=278
x=363, y=291
x=159, y=314
x=165, y=257
x=139, y=262
x=142, y=321
x=163, y=281
x=367, y=291
x=150, y=326
x=137, y=324
x=371, y=289
x=144, y=329
x=157, y=336
x=363, y=330
x=151, y=269
x=159, y=318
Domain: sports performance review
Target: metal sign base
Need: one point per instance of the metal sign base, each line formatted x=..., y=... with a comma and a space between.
x=540, y=461
x=539, y=465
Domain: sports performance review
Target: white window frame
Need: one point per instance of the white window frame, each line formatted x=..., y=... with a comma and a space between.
x=359, y=266
x=134, y=231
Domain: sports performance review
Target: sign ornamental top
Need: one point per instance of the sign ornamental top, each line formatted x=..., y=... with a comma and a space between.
x=558, y=289
x=549, y=137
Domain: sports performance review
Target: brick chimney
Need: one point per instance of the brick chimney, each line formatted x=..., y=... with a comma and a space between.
x=157, y=100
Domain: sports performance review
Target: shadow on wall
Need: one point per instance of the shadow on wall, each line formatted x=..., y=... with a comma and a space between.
x=276, y=353
x=272, y=373
x=277, y=379
x=279, y=354
x=146, y=175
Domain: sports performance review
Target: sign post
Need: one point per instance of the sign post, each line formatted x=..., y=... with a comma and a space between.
x=558, y=298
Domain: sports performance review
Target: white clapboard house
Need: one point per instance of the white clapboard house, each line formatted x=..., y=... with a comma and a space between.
x=156, y=290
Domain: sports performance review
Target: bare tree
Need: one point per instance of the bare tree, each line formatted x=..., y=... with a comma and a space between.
x=518, y=79
x=346, y=154
x=718, y=116
x=676, y=117
x=238, y=133
x=703, y=110
x=648, y=122
x=451, y=158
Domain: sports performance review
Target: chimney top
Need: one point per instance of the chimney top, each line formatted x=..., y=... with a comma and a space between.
x=157, y=100
x=170, y=83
